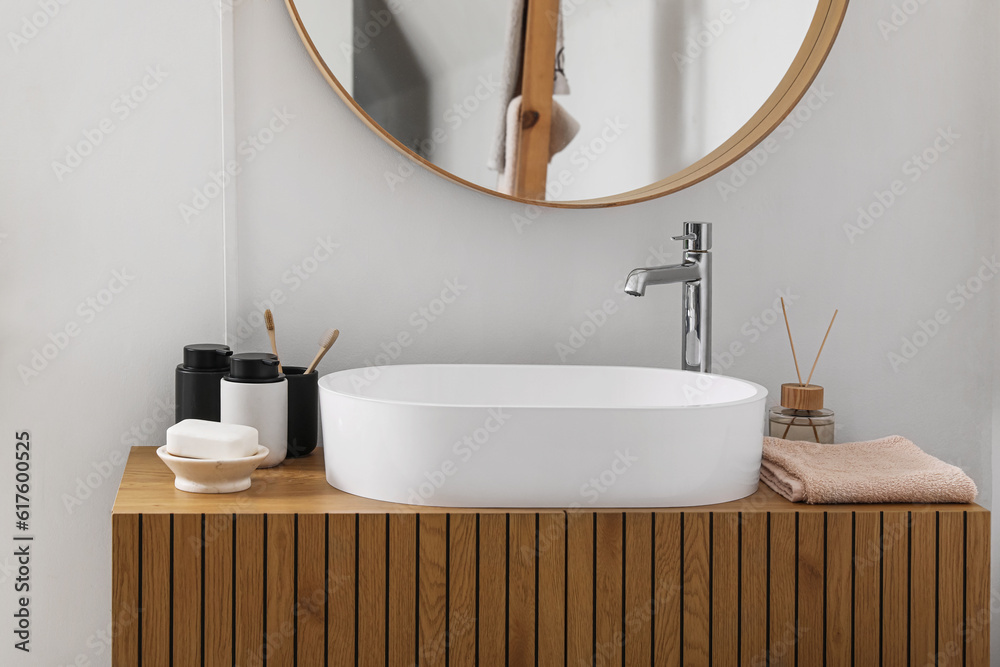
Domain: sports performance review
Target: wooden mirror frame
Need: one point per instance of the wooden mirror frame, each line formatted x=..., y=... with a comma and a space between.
x=793, y=86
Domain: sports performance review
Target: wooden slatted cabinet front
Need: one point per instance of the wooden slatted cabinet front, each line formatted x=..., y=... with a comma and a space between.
x=294, y=572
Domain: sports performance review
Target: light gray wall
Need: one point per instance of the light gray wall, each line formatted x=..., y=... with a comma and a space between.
x=61, y=243
x=883, y=96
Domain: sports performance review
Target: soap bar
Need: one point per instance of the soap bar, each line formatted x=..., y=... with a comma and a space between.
x=200, y=439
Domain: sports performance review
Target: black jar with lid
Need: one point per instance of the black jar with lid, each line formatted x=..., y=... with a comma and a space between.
x=196, y=381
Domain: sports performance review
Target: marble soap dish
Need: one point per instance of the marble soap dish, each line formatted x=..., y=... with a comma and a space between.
x=212, y=475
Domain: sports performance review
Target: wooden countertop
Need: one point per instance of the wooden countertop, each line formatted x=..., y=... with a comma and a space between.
x=298, y=486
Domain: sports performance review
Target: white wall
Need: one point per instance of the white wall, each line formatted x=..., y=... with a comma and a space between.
x=61, y=242
x=878, y=101
x=522, y=288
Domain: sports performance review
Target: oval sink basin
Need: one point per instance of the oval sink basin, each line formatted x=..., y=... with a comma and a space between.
x=541, y=436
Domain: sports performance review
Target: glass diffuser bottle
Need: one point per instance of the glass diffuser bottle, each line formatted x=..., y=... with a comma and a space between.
x=801, y=415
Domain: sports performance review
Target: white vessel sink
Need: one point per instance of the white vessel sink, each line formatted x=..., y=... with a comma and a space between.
x=541, y=436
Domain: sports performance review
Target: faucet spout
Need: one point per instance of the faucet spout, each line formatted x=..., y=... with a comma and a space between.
x=638, y=279
x=635, y=284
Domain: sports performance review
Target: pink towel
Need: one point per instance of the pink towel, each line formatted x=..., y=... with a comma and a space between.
x=890, y=470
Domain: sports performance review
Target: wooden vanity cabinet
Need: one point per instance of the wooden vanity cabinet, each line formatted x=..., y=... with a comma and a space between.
x=294, y=572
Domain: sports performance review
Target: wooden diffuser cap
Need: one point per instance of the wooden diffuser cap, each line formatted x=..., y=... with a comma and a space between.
x=802, y=397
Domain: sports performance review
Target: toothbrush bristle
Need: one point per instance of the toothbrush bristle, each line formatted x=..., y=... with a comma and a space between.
x=329, y=338
x=268, y=320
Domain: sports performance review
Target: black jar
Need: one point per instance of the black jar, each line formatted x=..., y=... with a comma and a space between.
x=303, y=411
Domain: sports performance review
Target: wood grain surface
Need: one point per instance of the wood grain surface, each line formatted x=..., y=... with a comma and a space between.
x=739, y=584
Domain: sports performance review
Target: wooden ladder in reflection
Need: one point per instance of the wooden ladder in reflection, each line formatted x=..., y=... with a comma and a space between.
x=541, y=29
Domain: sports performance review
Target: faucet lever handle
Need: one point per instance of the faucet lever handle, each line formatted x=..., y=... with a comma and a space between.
x=697, y=236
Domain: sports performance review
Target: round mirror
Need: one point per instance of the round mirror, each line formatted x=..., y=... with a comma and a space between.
x=578, y=103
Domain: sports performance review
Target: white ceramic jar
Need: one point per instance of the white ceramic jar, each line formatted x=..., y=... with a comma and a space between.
x=255, y=394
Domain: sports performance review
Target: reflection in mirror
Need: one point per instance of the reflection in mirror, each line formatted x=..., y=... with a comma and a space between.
x=650, y=88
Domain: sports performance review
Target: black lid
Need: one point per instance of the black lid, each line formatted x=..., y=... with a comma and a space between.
x=207, y=357
x=254, y=367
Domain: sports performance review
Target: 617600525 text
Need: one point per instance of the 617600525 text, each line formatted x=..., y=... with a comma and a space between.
x=22, y=540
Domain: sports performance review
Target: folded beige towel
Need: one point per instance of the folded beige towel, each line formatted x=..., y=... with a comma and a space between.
x=890, y=470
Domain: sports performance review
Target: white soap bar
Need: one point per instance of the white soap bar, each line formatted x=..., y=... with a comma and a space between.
x=200, y=439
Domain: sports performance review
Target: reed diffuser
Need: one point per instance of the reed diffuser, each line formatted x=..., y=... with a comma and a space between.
x=801, y=415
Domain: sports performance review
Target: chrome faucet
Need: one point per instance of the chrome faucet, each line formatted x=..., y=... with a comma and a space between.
x=695, y=273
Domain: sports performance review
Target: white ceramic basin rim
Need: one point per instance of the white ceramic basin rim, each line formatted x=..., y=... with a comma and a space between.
x=457, y=435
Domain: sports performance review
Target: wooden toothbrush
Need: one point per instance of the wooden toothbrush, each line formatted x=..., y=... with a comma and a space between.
x=269, y=323
x=325, y=343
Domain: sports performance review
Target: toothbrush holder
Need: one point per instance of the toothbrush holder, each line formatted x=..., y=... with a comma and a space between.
x=303, y=410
